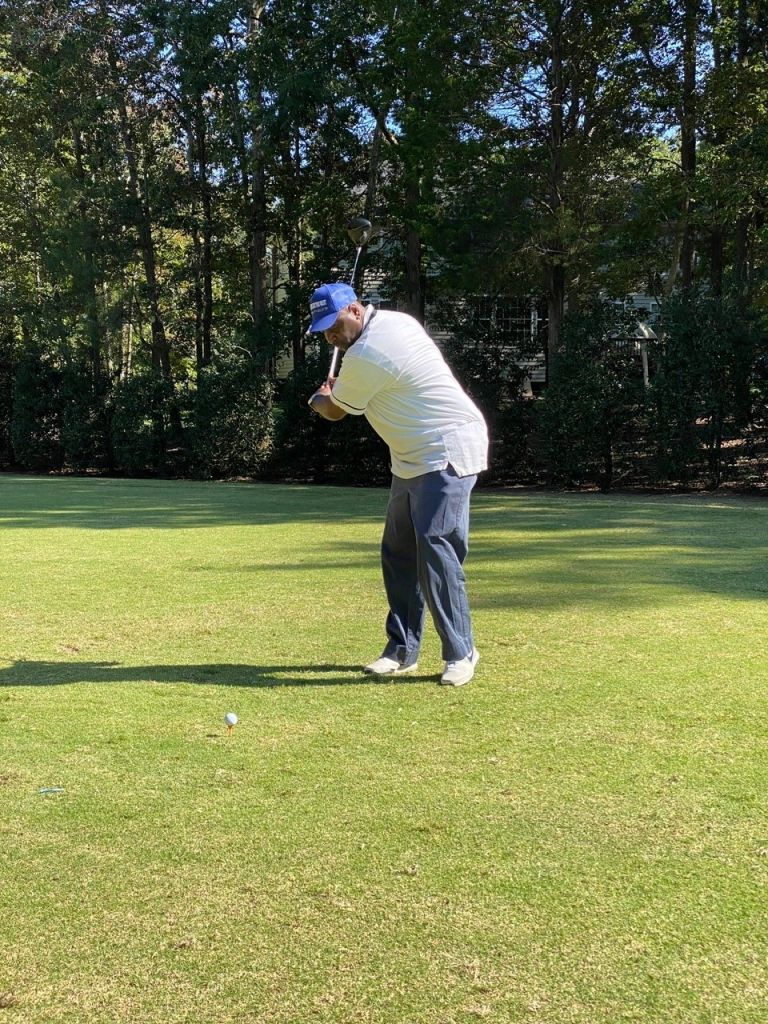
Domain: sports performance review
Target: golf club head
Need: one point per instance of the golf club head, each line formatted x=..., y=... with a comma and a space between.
x=359, y=230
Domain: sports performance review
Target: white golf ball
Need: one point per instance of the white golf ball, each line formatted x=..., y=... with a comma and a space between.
x=230, y=718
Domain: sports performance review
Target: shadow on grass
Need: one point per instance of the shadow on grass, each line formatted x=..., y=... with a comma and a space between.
x=557, y=549
x=116, y=504
x=535, y=551
x=63, y=673
x=603, y=553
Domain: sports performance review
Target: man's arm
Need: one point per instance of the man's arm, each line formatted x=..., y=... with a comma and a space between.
x=322, y=403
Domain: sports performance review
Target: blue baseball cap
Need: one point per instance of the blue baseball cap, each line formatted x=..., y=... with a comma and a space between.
x=327, y=302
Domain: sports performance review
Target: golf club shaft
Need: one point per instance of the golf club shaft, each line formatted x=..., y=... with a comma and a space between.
x=335, y=355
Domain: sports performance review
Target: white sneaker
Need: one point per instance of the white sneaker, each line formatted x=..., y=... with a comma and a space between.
x=457, y=673
x=385, y=666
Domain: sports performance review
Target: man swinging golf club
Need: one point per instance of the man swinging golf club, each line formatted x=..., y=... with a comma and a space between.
x=394, y=374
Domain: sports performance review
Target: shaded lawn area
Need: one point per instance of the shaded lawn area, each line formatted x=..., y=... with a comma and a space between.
x=578, y=836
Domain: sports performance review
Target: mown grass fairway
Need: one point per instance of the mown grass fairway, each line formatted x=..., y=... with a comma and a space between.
x=580, y=835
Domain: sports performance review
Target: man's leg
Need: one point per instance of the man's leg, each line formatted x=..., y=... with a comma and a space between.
x=440, y=510
x=405, y=621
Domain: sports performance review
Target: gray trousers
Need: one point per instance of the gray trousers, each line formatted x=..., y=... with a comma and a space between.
x=426, y=537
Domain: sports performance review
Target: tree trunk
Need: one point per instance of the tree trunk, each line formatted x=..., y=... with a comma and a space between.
x=197, y=285
x=206, y=203
x=717, y=229
x=716, y=258
x=554, y=269
x=257, y=213
x=688, y=141
x=607, y=476
x=250, y=168
x=161, y=356
x=90, y=291
x=414, y=289
x=374, y=160
x=555, y=315
x=741, y=270
x=126, y=352
x=293, y=191
x=161, y=359
x=257, y=240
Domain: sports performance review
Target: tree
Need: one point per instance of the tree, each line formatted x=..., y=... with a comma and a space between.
x=571, y=101
x=423, y=76
x=735, y=149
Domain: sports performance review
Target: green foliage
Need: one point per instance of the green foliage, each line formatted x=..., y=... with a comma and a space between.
x=700, y=393
x=8, y=357
x=142, y=413
x=37, y=411
x=759, y=380
x=486, y=362
x=591, y=421
x=233, y=418
x=175, y=176
x=85, y=427
x=309, y=448
x=759, y=396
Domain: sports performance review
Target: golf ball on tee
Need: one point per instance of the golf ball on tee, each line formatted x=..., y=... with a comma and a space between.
x=230, y=718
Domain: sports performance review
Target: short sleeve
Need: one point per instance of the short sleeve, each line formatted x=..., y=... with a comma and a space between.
x=357, y=383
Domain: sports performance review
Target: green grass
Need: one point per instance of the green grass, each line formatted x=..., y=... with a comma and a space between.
x=581, y=835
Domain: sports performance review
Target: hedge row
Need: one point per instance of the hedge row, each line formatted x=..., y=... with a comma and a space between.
x=597, y=423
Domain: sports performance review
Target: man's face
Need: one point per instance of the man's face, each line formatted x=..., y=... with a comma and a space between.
x=347, y=329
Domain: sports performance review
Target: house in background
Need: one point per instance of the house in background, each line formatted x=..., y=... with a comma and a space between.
x=520, y=323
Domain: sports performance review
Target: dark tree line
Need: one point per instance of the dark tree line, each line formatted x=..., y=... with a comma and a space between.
x=175, y=176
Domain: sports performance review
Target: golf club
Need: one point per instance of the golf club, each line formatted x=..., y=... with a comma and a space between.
x=359, y=230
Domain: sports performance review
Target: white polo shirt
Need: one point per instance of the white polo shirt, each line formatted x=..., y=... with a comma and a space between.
x=395, y=376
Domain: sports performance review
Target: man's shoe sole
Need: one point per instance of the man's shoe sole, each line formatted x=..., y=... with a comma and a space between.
x=395, y=672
